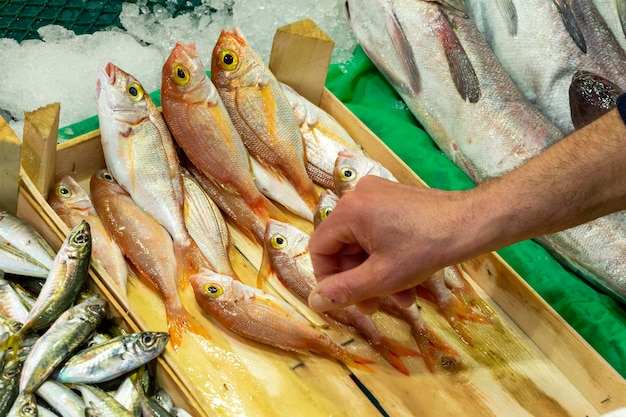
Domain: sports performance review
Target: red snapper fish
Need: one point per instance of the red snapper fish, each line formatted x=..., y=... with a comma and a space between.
x=73, y=204
x=260, y=316
x=147, y=245
x=140, y=154
x=260, y=111
x=202, y=127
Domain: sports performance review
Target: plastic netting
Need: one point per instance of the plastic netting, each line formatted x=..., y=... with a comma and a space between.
x=20, y=19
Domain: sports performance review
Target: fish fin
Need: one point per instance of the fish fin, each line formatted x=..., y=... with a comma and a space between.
x=454, y=6
x=265, y=269
x=509, y=14
x=435, y=351
x=391, y=350
x=403, y=47
x=461, y=68
x=189, y=260
x=465, y=292
x=571, y=24
x=178, y=321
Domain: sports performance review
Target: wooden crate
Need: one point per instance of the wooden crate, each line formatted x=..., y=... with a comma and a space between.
x=530, y=363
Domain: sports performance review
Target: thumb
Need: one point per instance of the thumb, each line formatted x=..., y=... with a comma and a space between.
x=345, y=288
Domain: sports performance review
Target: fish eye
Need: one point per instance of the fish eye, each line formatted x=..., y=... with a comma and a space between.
x=213, y=290
x=105, y=175
x=180, y=74
x=147, y=339
x=63, y=191
x=228, y=60
x=29, y=410
x=81, y=238
x=325, y=212
x=135, y=91
x=278, y=241
x=347, y=174
x=95, y=309
x=11, y=373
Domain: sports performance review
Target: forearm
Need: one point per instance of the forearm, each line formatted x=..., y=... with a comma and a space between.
x=576, y=180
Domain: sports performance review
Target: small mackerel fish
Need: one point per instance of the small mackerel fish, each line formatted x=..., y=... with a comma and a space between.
x=453, y=83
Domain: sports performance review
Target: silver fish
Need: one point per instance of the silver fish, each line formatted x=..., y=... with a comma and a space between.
x=614, y=14
x=25, y=405
x=9, y=384
x=128, y=396
x=452, y=82
x=61, y=398
x=14, y=261
x=112, y=358
x=554, y=39
x=66, y=278
x=25, y=238
x=10, y=302
x=99, y=403
x=62, y=338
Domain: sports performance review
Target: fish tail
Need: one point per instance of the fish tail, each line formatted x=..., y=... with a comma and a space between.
x=355, y=361
x=189, y=260
x=391, y=350
x=180, y=320
x=435, y=351
x=264, y=208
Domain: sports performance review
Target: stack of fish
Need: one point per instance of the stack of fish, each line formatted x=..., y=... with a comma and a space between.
x=53, y=340
x=495, y=99
x=234, y=145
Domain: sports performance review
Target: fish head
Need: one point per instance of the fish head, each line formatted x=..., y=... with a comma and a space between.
x=102, y=181
x=350, y=168
x=69, y=195
x=152, y=343
x=79, y=240
x=325, y=205
x=120, y=95
x=25, y=405
x=95, y=307
x=234, y=63
x=184, y=76
x=213, y=288
x=284, y=242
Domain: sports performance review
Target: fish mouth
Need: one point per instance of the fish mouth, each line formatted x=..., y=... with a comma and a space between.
x=106, y=75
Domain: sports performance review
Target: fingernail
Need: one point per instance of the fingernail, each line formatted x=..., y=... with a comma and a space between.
x=319, y=303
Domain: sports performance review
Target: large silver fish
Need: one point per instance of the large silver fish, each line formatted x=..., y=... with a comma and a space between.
x=488, y=130
x=452, y=82
x=614, y=14
x=554, y=39
x=23, y=237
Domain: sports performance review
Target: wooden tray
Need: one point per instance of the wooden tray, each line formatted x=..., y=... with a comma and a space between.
x=530, y=363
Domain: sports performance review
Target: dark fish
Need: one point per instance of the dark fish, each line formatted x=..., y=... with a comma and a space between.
x=591, y=96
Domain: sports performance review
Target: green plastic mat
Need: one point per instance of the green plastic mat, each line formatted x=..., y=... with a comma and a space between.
x=20, y=19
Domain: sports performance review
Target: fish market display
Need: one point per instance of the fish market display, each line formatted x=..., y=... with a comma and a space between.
x=260, y=316
x=147, y=245
x=260, y=111
x=73, y=204
x=323, y=136
x=572, y=36
x=591, y=96
x=23, y=250
x=201, y=126
x=139, y=152
x=484, y=125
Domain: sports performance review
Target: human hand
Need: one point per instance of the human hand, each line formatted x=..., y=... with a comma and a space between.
x=382, y=238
